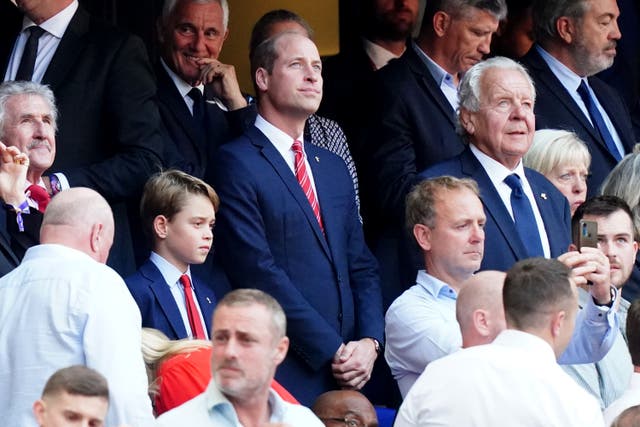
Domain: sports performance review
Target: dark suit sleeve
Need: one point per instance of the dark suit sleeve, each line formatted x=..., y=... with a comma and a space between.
x=245, y=253
x=131, y=113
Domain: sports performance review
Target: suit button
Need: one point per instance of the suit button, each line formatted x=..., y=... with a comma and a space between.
x=340, y=317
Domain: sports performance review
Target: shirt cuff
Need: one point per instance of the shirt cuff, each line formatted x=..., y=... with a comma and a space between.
x=64, y=182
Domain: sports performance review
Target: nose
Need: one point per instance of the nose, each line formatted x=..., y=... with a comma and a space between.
x=198, y=44
x=579, y=185
x=485, y=45
x=615, y=31
x=477, y=234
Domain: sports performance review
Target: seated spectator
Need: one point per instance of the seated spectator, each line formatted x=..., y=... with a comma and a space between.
x=631, y=396
x=515, y=380
x=180, y=370
x=73, y=310
x=73, y=396
x=445, y=217
x=623, y=182
x=339, y=408
x=320, y=131
x=249, y=342
x=630, y=417
x=564, y=160
x=479, y=310
x=178, y=215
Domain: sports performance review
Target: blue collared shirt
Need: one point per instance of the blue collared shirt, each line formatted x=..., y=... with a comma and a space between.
x=444, y=80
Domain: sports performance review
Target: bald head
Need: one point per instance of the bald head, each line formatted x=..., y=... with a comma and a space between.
x=479, y=309
x=81, y=219
x=336, y=405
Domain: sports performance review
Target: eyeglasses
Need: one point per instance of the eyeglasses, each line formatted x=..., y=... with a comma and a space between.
x=348, y=421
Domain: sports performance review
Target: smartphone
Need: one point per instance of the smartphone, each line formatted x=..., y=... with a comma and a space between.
x=588, y=234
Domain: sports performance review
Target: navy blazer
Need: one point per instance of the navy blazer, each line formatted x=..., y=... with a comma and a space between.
x=157, y=305
x=503, y=246
x=556, y=109
x=267, y=237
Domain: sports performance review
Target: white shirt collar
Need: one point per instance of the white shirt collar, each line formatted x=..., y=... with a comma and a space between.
x=183, y=87
x=568, y=78
x=278, y=138
x=169, y=272
x=58, y=23
x=378, y=55
x=497, y=171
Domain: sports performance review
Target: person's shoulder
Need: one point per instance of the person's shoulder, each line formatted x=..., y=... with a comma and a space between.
x=299, y=415
x=192, y=412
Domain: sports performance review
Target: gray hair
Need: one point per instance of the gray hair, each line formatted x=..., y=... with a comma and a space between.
x=459, y=8
x=624, y=180
x=170, y=5
x=547, y=12
x=245, y=296
x=469, y=90
x=552, y=148
x=15, y=88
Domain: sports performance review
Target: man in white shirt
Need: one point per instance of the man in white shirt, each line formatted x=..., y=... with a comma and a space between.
x=62, y=306
x=515, y=380
x=249, y=343
x=446, y=219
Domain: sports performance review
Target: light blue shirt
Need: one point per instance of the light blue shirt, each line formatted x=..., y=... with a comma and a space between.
x=420, y=327
x=571, y=82
x=444, y=80
x=62, y=308
x=171, y=276
x=212, y=408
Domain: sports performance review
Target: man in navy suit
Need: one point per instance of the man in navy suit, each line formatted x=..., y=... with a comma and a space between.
x=413, y=122
x=497, y=121
x=575, y=40
x=288, y=225
x=199, y=97
x=178, y=214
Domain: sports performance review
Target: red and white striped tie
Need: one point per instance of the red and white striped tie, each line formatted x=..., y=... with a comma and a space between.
x=305, y=182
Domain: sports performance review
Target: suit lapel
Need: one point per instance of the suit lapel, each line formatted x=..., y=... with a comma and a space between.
x=493, y=204
x=274, y=158
x=547, y=212
x=165, y=299
x=70, y=48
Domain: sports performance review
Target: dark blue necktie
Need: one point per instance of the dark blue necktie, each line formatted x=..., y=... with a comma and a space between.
x=597, y=120
x=523, y=216
x=29, y=54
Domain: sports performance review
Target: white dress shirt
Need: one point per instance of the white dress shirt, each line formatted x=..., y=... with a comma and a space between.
x=62, y=308
x=497, y=172
x=378, y=55
x=629, y=398
x=515, y=381
x=47, y=44
x=420, y=327
x=171, y=277
x=211, y=408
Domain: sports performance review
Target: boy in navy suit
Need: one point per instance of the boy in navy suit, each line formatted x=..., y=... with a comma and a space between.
x=178, y=214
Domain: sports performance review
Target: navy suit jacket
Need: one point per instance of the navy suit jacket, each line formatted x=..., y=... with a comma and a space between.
x=192, y=145
x=157, y=305
x=503, y=246
x=267, y=237
x=556, y=109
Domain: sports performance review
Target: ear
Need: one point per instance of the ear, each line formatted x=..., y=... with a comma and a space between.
x=281, y=350
x=566, y=29
x=262, y=79
x=160, y=226
x=557, y=323
x=467, y=119
x=96, y=237
x=635, y=248
x=38, y=411
x=481, y=322
x=422, y=234
x=226, y=34
x=441, y=23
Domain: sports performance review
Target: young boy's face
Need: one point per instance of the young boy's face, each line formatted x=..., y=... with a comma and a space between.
x=190, y=232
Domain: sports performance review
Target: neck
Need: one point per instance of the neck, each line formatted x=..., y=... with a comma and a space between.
x=252, y=412
x=636, y=369
x=562, y=54
x=46, y=10
x=429, y=45
x=291, y=124
x=453, y=279
x=394, y=46
x=34, y=177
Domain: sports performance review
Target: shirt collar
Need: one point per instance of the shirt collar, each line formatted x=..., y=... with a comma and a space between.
x=434, y=286
x=216, y=400
x=568, y=78
x=58, y=23
x=439, y=74
x=278, y=138
x=169, y=271
x=378, y=55
x=183, y=87
x=497, y=171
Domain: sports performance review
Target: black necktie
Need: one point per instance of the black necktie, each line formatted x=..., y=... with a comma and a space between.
x=28, y=60
x=198, y=104
x=598, y=120
x=524, y=218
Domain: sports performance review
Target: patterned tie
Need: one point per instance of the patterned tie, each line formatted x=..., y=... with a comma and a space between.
x=597, y=120
x=305, y=182
x=197, y=330
x=28, y=60
x=524, y=218
x=40, y=196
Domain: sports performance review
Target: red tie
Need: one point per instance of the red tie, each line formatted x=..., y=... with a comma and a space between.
x=305, y=182
x=40, y=196
x=192, y=311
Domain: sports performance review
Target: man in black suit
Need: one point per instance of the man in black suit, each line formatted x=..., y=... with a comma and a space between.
x=413, y=121
x=199, y=97
x=109, y=136
x=575, y=40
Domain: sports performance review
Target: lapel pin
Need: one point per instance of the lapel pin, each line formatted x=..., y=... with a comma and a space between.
x=544, y=196
x=317, y=159
x=208, y=300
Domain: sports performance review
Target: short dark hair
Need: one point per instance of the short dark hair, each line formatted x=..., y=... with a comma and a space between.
x=165, y=194
x=497, y=8
x=532, y=287
x=79, y=380
x=263, y=28
x=633, y=331
x=600, y=206
x=630, y=417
